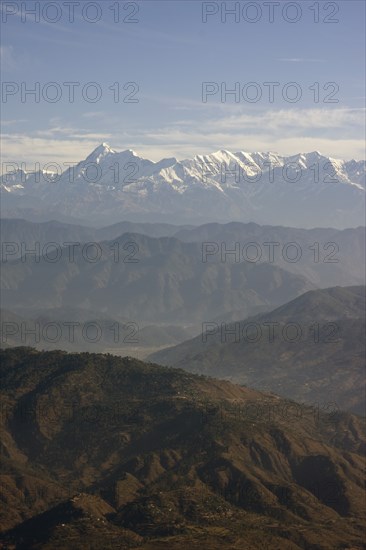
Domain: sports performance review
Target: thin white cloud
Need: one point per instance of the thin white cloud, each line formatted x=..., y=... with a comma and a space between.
x=292, y=119
x=7, y=58
x=17, y=60
x=300, y=60
x=13, y=122
x=24, y=148
x=60, y=132
x=336, y=132
x=94, y=114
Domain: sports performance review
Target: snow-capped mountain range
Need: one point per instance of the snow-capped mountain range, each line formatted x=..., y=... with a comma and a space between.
x=307, y=189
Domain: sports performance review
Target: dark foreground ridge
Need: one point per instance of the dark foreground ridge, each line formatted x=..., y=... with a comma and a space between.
x=103, y=452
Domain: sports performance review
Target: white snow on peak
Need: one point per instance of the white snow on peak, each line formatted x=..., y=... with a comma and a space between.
x=105, y=148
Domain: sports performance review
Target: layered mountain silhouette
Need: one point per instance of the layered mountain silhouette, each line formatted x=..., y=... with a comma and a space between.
x=182, y=274
x=311, y=349
x=146, y=280
x=325, y=256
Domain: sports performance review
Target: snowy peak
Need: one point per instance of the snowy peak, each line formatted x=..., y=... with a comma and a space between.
x=201, y=171
x=262, y=187
x=99, y=153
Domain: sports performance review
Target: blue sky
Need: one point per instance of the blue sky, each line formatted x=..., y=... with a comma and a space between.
x=168, y=53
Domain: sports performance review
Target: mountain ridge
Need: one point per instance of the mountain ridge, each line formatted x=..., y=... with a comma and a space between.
x=96, y=447
x=259, y=187
x=324, y=360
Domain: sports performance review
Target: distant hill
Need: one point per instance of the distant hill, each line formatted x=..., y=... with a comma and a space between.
x=146, y=280
x=311, y=349
x=325, y=256
x=27, y=233
x=74, y=329
x=99, y=452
